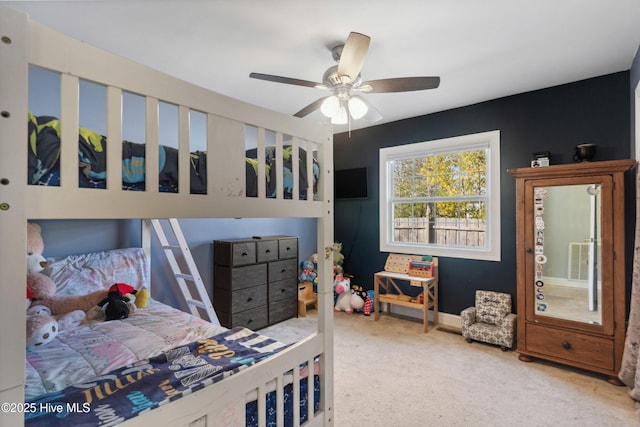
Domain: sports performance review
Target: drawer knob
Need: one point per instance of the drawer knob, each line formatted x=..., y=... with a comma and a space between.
x=244, y=254
x=249, y=299
x=268, y=251
x=282, y=291
x=566, y=345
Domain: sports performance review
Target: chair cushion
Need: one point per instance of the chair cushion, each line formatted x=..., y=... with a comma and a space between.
x=492, y=306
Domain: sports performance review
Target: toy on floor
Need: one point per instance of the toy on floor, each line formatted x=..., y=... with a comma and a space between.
x=360, y=300
x=308, y=274
x=342, y=287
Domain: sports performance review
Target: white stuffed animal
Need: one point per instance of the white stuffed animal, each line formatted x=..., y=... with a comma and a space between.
x=42, y=328
x=342, y=287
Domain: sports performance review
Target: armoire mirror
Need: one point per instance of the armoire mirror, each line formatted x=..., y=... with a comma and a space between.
x=568, y=252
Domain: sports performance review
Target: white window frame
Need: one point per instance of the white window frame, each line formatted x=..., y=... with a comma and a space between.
x=485, y=140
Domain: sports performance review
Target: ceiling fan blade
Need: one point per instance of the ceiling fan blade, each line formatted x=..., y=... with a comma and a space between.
x=311, y=107
x=400, y=84
x=286, y=80
x=353, y=55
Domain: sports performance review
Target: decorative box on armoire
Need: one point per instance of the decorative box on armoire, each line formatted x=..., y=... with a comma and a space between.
x=571, y=264
x=255, y=280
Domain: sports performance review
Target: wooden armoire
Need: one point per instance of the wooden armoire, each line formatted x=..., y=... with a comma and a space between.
x=571, y=264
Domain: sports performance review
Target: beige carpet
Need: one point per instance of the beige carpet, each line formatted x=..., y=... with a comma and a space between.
x=389, y=373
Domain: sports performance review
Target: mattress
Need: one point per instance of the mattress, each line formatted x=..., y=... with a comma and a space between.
x=97, y=348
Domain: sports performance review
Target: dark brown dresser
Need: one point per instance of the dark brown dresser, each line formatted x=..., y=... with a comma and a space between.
x=255, y=280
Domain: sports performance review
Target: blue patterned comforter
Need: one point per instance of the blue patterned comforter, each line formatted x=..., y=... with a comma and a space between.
x=141, y=386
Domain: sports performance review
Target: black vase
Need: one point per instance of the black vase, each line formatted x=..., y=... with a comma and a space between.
x=584, y=152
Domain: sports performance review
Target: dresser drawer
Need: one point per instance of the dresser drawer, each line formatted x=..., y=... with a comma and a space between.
x=247, y=298
x=281, y=310
x=280, y=270
x=571, y=346
x=241, y=300
x=266, y=250
x=239, y=277
x=233, y=254
x=256, y=318
x=288, y=248
x=283, y=289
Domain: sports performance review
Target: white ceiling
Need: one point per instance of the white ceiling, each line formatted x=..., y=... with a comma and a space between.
x=482, y=50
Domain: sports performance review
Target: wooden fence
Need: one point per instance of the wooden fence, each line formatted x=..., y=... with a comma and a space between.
x=443, y=231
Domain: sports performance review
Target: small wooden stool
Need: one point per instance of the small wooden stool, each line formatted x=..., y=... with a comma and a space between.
x=306, y=297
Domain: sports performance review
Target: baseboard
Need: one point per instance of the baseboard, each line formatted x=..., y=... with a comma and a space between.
x=446, y=321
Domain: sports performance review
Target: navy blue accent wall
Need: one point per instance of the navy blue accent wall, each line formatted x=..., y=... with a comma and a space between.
x=634, y=80
x=555, y=119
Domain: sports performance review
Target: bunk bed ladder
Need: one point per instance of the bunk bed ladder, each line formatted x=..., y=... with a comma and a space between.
x=202, y=301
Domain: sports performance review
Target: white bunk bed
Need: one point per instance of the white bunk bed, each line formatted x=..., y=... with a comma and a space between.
x=23, y=43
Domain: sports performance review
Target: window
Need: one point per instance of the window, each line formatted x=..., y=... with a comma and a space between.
x=442, y=197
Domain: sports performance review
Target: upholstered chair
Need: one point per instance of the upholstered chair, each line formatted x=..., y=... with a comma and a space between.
x=491, y=320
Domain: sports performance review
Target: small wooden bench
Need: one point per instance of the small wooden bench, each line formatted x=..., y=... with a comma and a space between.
x=306, y=297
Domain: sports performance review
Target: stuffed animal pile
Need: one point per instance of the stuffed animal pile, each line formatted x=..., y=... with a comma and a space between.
x=48, y=313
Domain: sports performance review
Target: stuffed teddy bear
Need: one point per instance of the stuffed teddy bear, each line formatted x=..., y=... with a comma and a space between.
x=342, y=287
x=308, y=274
x=43, y=290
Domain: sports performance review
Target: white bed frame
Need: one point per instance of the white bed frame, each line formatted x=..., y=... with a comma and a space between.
x=24, y=42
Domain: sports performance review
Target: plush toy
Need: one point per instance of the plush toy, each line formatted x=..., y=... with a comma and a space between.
x=43, y=291
x=314, y=259
x=338, y=258
x=42, y=328
x=116, y=305
x=360, y=300
x=121, y=301
x=35, y=247
x=42, y=287
x=43, y=323
x=342, y=287
x=308, y=274
x=141, y=297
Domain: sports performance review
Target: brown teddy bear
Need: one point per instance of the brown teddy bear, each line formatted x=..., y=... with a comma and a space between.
x=47, y=313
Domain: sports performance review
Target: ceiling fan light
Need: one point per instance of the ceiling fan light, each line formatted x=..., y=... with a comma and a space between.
x=340, y=117
x=357, y=108
x=330, y=106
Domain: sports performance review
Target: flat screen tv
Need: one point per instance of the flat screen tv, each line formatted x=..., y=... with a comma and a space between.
x=351, y=184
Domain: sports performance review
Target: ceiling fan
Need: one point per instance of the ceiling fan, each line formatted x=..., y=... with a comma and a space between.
x=344, y=81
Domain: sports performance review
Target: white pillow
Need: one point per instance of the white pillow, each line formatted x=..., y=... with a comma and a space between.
x=85, y=273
